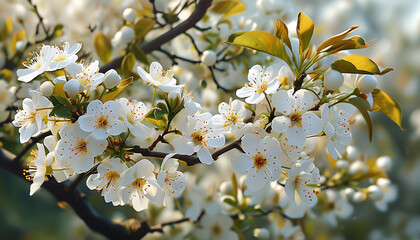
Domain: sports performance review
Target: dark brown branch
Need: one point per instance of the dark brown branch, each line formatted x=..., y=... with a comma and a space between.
x=199, y=12
x=189, y=160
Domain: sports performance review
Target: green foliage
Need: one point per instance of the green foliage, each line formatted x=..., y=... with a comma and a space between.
x=358, y=64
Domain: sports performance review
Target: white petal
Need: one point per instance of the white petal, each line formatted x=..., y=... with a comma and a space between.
x=282, y=102
x=182, y=146
x=255, y=179
x=306, y=195
x=296, y=136
x=242, y=163
x=87, y=123
x=280, y=124
x=245, y=92
x=255, y=98
x=250, y=143
x=205, y=156
x=311, y=123
x=216, y=142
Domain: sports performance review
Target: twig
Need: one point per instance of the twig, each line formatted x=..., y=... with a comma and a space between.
x=31, y=144
x=199, y=12
x=216, y=82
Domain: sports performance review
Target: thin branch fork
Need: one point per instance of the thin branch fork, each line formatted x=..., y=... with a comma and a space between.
x=198, y=13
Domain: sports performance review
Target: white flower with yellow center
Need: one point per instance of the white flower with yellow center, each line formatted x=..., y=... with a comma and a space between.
x=31, y=119
x=140, y=185
x=296, y=121
x=64, y=56
x=216, y=227
x=38, y=64
x=101, y=120
x=336, y=127
x=132, y=114
x=301, y=183
x=87, y=76
x=198, y=136
x=260, y=161
x=261, y=81
x=231, y=116
x=108, y=180
x=77, y=149
x=159, y=78
x=171, y=180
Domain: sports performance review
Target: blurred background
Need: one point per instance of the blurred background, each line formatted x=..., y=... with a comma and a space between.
x=392, y=28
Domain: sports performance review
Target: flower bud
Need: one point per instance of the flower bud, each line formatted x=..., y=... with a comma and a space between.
x=342, y=164
x=127, y=34
x=72, y=88
x=46, y=88
x=383, y=183
x=352, y=153
x=375, y=193
x=129, y=14
x=209, y=58
x=358, y=197
x=111, y=79
x=349, y=192
x=367, y=83
x=356, y=167
x=384, y=163
x=20, y=45
x=333, y=80
x=261, y=233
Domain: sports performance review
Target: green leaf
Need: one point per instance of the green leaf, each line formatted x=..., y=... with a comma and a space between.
x=140, y=55
x=143, y=26
x=335, y=39
x=128, y=63
x=64, y=112
x=358, y=64
x=261, y=41
x=363, y=106
x=231, y=202
x=228, y=8
x=283, y=33
x=388, y=106
x=304, y=30
x=103, y=47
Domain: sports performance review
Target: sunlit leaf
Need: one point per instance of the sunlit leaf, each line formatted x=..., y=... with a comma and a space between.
x=388, y=106
x=103, y=47
x=335, y=39
x=7, y=29
x=363, y=106
x=261, y=41
x=19, y=36
x=304, y=30
x=228, y=8
x=128, y=63
x=140, y=55
x=283, y=33
x=143, y=26
x=355, y=42
x=358, y=64
x=111, y=95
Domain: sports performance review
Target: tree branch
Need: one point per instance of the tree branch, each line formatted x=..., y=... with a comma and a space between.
x=189, y=160
x=199, y=12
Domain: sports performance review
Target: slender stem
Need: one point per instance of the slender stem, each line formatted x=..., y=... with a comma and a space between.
x=154, y=96
x=48, y=77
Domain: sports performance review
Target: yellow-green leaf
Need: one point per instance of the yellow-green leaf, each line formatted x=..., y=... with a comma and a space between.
x=335, y=39
x=7, y=28
x=355, y=42
x=143, y=26
x=58, y=90
x=140, y=55
x=304, y=30
x=388, y=106
x=228, y=8
x=19, y=36
x=261, y=41
x=363, y=106
x=103, y=47
x=111, y=95
x=128, y=63
x=358, y=64
x=283, y=33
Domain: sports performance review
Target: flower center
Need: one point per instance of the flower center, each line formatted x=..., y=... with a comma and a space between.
x=139, y=183
x=81, y=147
x=216, y=230
x=296, y=118
x=111, y=178
x=259, y=160
x=102, y=121
x=262, y=87
x=198, y=138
